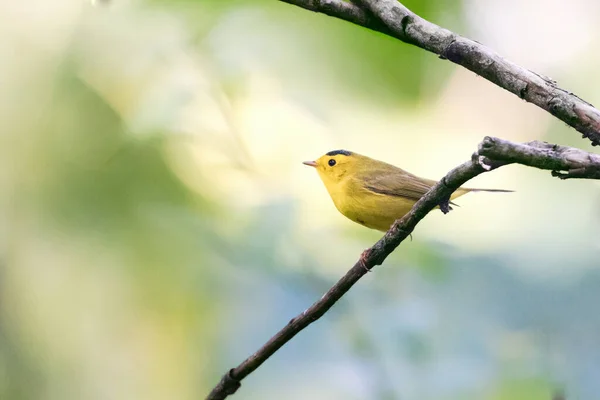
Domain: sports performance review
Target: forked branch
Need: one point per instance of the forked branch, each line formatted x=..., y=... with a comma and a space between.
x=492, y=153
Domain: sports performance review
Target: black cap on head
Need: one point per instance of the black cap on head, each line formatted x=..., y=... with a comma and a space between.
x=336, y=152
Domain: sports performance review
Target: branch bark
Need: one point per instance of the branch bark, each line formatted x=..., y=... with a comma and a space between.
x=392, y=18
x=492, y=153
x=565, y=162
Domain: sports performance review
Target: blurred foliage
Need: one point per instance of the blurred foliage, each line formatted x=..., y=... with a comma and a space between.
x=153, y=233
x=359, y=63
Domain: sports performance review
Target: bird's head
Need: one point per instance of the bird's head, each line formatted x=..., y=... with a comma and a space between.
x=336, y=165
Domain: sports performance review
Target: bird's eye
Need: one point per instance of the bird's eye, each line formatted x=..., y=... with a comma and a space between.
x=331, y=162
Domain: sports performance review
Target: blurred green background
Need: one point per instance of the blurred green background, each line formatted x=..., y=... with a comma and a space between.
x=157, y=225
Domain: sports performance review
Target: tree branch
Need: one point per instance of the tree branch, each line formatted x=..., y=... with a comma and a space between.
x=565, y=162
x=395, y=20
x=343, y=10
x=493, y=153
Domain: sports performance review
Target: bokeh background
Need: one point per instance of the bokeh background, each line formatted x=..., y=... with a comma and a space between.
x=157, y=225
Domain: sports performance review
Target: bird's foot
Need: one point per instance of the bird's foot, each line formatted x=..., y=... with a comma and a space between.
x=445, y=206
x=363, y=259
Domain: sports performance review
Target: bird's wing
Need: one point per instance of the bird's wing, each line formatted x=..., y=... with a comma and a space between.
x=397, y=183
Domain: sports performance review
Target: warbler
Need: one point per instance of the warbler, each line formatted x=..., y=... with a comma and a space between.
x=370, y=192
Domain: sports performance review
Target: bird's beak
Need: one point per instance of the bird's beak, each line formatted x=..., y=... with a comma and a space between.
x=310, y=163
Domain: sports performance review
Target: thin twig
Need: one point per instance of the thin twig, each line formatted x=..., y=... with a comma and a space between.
x=396, y=20
x=493, y=153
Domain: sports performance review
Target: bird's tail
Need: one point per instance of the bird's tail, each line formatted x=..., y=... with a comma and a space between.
x=490, y=190
x=460, y=191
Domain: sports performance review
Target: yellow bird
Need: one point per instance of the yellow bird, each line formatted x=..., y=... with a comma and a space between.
x=371, y=192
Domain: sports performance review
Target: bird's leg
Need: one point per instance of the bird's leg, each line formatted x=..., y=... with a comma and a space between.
x=363, y=259
x=445, y=205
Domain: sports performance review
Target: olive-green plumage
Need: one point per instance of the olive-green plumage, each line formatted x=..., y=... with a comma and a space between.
x=371, y=192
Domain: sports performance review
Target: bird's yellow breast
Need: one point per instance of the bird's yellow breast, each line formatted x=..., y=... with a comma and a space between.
x=373, y=210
